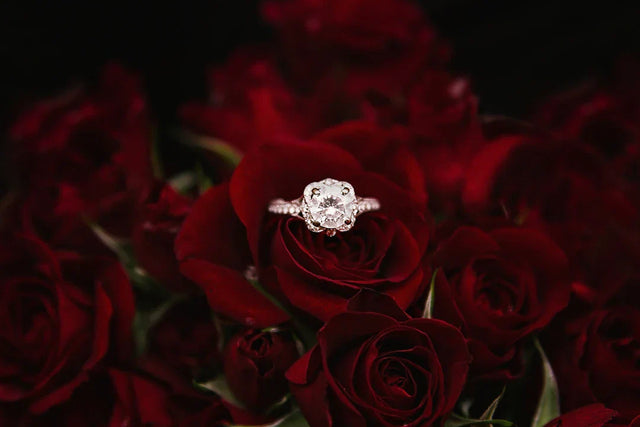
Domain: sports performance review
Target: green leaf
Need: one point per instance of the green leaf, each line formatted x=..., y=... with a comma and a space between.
x=292, y=419
x=118, y=246
x=258, y=287
x=302, y=332
x=549, y=403
x=459, y=421
x=221, y=148
x=428, y=305
x=488, y=413
x=219, y=386
x=184, y=182
x=123, y=250
x=145, y=320
x=203, y=181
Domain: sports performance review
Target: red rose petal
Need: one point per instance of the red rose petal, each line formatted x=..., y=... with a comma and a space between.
x=229, y=293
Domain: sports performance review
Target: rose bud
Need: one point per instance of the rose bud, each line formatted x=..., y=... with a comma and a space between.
x=374, y=365
x=254, y=365
x=154, y=231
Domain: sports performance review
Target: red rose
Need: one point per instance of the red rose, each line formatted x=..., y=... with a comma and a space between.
x=499, y=287
x=603, y=115
x=375, y=365
x=596, y=360
x=89, y=405
x=568, y=191
x=380, y=45
x=593, y=415
x=187, y=339
x=141, y=400
x=248, y=103
x=85, y=153
x=381, y=150
x=442, y=113
x=62, y=313
x=254, y=366
x=154, y=232
x=311, y=271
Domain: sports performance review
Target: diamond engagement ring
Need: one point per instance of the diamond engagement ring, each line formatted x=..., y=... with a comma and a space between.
x=326, y=206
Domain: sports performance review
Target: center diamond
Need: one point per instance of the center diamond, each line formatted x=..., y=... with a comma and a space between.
x=329, y=204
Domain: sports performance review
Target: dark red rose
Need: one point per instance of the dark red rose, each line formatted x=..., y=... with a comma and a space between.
x=187, y=339
x=520, y=173
x=442, y=113
x=248, y=103
x=141, y=400
x=380, y=45
x=596, y=359
x=84, y=153
x=62, y=314
x=373, y=365
x=313, y=272
x=254, y=366
x=593, y=415
x=89, y=405
x=500, y=287
x=155, y=229
x=568, y=191
x=603, y=115
x=442, y=107
x=381, y=150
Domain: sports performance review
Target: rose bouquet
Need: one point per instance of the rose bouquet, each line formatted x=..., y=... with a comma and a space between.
x=489, y=277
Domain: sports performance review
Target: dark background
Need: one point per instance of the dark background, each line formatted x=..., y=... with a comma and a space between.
x=514, y=51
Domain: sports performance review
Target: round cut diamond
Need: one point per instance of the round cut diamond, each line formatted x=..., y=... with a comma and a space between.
x=329, y=204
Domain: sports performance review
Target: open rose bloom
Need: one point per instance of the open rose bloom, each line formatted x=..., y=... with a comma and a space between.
x=349, y=243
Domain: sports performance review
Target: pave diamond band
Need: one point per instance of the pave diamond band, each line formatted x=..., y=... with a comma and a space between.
x=326, y=206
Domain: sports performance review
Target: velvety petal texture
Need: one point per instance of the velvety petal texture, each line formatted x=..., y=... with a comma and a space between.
x=62, y=314
x=593, y=415
x=596, y=360
x=499, y=287
x=84, y=154
x=213, y=252
x=374, y=365
x=160, y=216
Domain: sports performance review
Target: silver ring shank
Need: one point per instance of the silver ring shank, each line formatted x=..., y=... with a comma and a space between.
x=284, y=207
x=367, y=204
